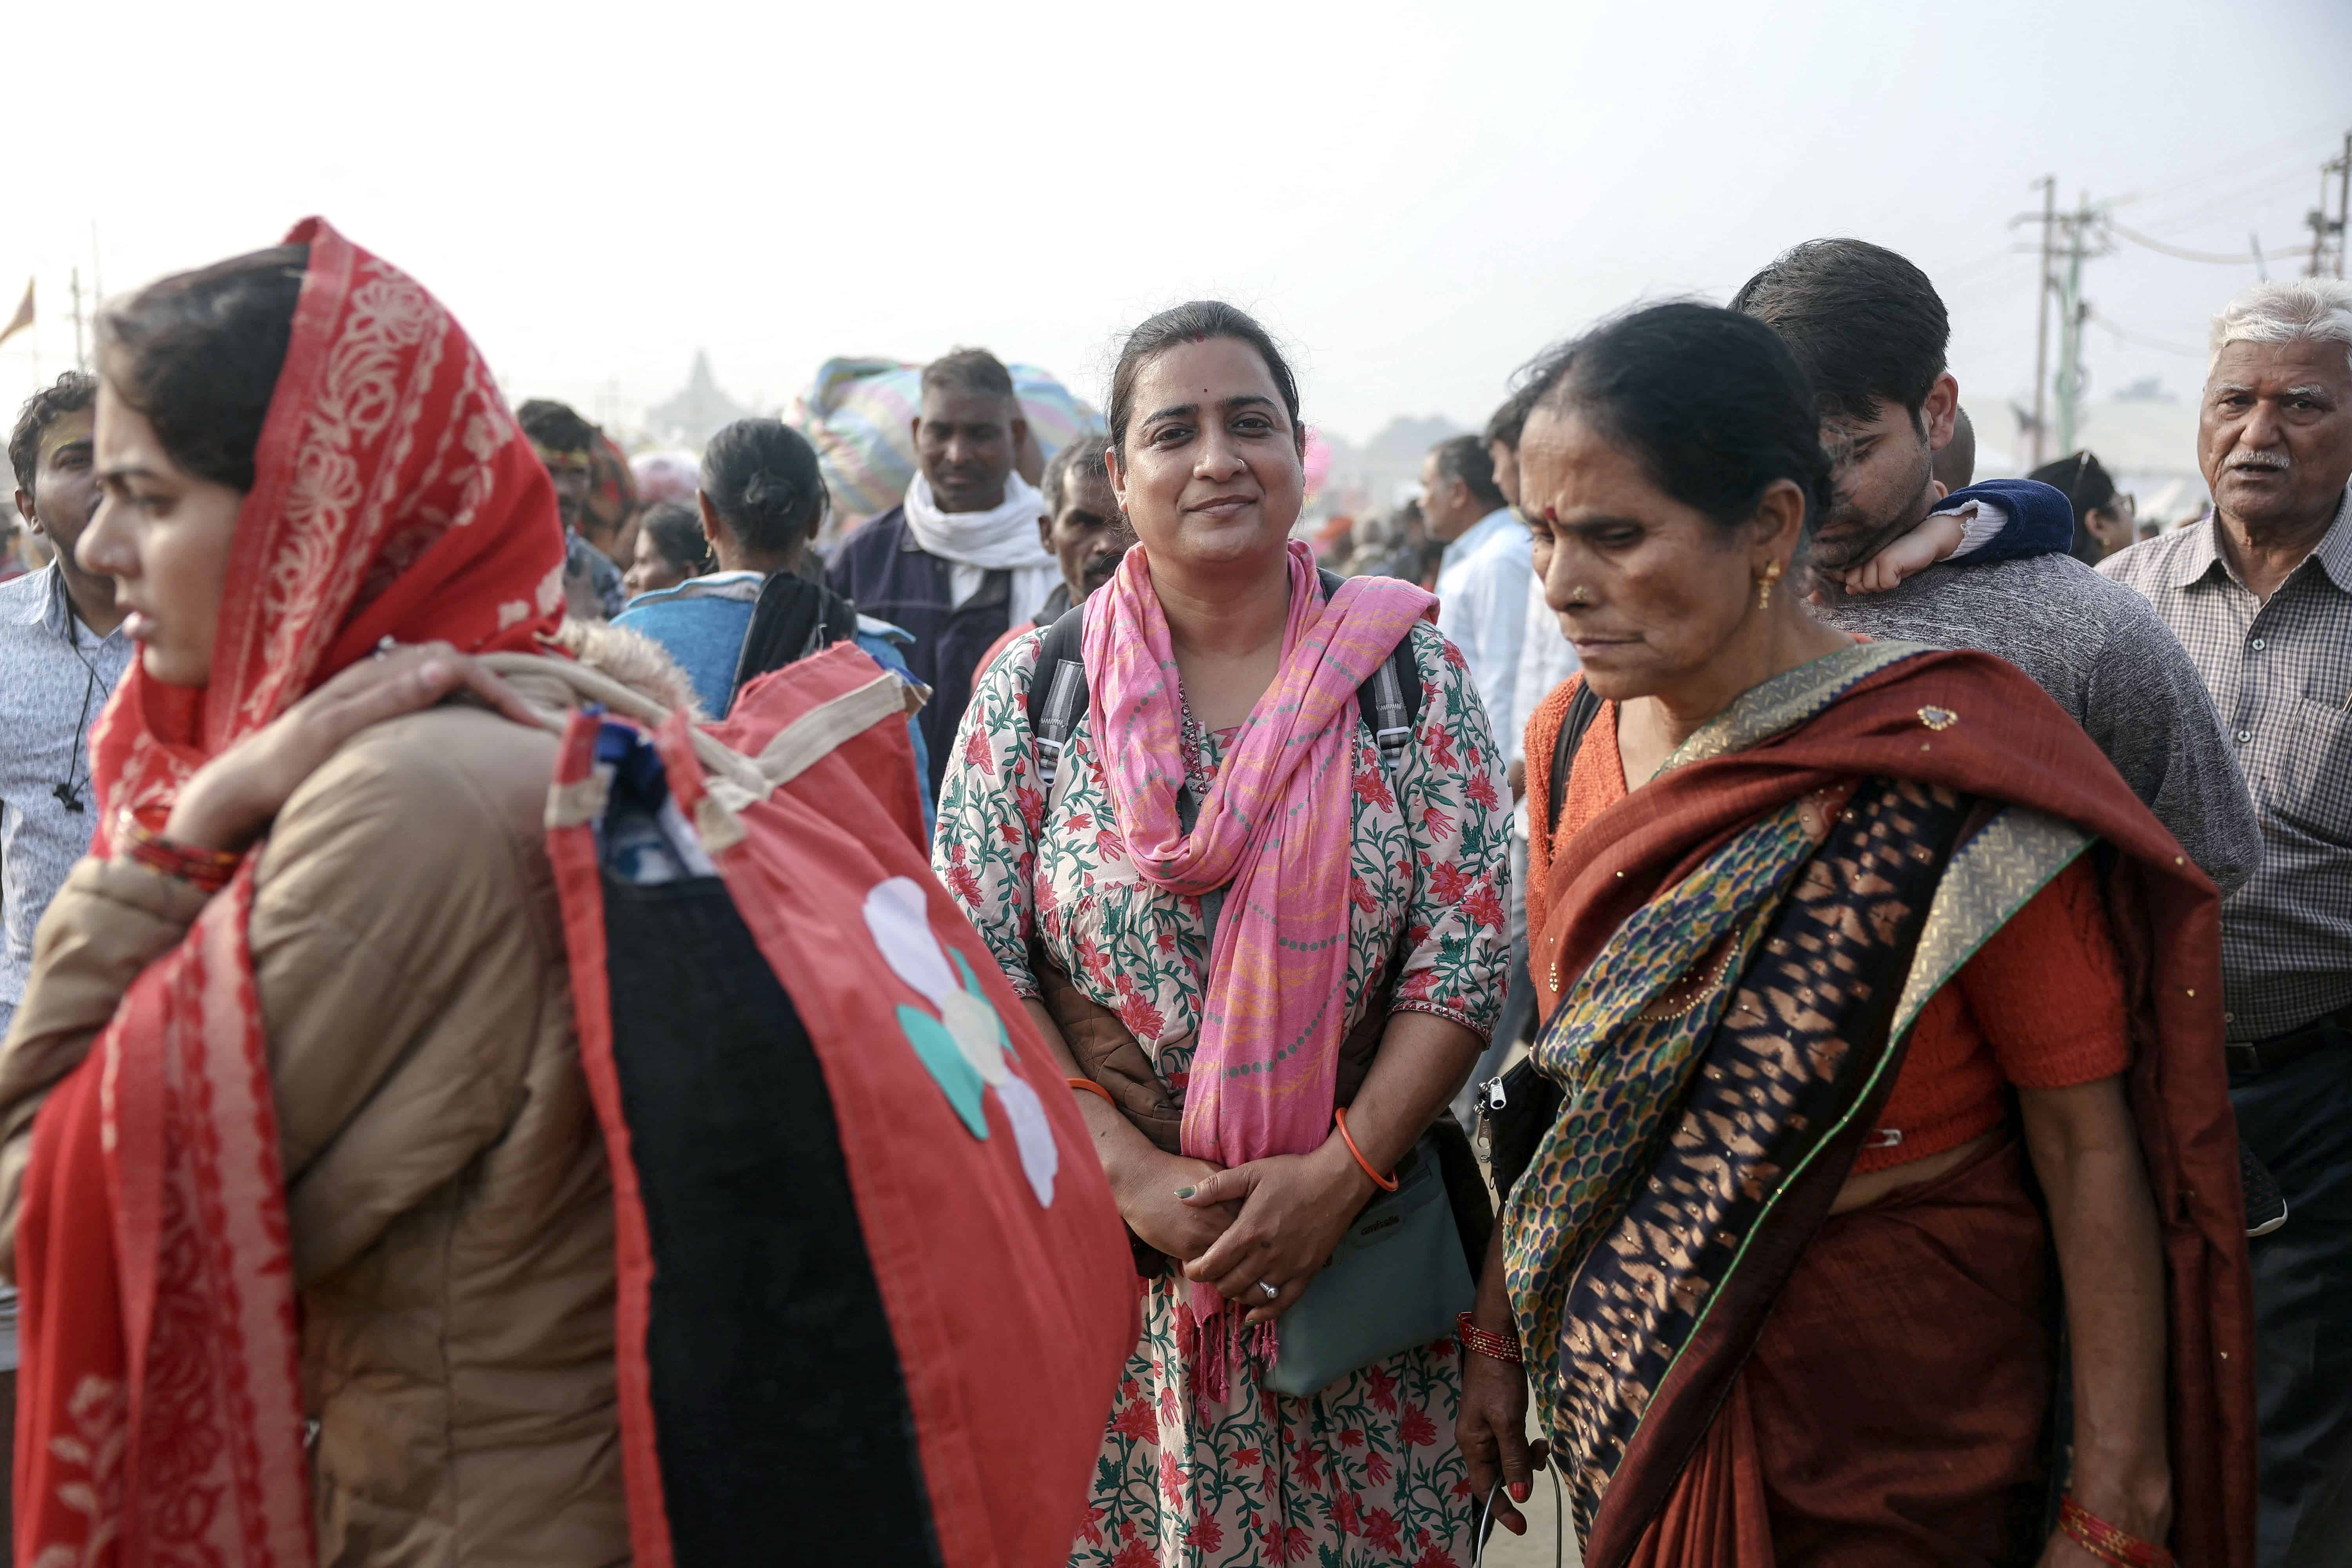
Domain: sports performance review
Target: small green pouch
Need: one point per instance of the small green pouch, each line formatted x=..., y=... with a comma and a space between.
x=1397, y=1280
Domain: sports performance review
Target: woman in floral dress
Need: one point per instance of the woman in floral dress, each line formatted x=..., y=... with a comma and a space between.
x=1325, y=878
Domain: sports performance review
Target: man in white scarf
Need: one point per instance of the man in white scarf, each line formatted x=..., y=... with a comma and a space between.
x=959, y=562
x=1003, y=538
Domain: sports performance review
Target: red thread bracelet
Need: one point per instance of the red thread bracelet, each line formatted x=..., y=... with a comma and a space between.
x=208, y=871
x=1494, y=1347
x=2109, y=1543
x=1385, y=1183
x=1091, y=1087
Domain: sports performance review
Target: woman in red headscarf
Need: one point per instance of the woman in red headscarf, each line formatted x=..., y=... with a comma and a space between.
x=425, y=1139
x=340, y=1068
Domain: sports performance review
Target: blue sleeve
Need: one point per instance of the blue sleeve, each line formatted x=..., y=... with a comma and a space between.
x=884, y=652
x=2041, y=520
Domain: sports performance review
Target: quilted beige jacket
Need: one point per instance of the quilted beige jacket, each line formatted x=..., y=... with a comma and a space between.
x=446, y=1185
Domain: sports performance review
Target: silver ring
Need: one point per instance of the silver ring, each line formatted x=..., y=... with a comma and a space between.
x=1271, y=1293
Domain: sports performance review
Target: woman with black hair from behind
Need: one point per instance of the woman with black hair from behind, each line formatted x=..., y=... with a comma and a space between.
x=761, y=502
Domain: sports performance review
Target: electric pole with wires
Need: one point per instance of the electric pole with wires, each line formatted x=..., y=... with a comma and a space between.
x=2324, y=228
x=2071, y=239
x=81, y=359
x=2087, y=239
x=2049, y=184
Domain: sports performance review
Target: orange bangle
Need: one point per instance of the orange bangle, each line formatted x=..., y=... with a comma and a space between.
x=1385, y=1183
x=1091, y=1087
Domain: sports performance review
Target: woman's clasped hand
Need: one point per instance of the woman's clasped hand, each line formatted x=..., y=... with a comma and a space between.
x=1286, y=1215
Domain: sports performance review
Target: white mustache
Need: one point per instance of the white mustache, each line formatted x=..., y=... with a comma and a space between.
x=2260, y=460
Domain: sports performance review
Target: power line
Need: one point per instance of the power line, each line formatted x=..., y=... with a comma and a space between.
x=2236, y=197
x=2125, y=334
x=2180, y=206
x=2232, y=169
x=2242, y=258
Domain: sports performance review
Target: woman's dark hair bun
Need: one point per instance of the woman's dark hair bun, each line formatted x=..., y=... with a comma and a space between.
x=763, y=481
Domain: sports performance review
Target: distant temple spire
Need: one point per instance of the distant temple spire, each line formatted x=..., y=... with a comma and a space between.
x=698, y=413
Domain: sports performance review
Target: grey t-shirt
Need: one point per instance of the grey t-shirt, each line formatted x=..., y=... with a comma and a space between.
x=2106, y=658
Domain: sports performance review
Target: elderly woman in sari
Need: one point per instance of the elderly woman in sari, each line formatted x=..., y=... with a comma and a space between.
x=1870, y=990
x=1229, y=877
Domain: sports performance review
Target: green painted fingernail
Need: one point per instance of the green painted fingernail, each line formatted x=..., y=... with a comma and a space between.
x=1186, y=1192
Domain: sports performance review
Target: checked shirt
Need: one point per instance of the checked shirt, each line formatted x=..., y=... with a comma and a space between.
x=2281, y=674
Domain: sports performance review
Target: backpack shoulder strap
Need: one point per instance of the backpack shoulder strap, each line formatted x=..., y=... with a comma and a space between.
x=838, y=622
x=1390, y=697
x=1581, y=711
x=1057, y=691
x=791, y=618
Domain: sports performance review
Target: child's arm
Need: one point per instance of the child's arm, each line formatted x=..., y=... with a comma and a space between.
x=2013, y=518
x=1999, y=520
x=1935, y=539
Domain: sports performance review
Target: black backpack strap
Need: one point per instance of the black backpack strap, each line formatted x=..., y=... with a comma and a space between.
x=838, y=623
x=1581, y=711
x=793, y=618
x=1057, y=691
x=1390, y=697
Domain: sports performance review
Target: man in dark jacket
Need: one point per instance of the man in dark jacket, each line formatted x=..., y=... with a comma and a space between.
x=959, y=563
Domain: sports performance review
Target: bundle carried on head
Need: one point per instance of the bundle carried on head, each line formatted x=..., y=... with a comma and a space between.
x=859, y=414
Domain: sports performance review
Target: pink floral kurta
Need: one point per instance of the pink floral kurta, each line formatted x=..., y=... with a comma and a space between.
x=1364, y=1473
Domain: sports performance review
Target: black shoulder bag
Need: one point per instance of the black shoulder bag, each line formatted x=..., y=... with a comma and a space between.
x=1519, y=1107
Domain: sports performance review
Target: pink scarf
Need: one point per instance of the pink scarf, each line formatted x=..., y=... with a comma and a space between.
x=1275, y=831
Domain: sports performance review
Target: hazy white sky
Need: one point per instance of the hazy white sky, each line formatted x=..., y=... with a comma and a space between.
x=1416, y=197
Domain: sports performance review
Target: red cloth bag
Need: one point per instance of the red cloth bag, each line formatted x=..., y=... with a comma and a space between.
x=1011, y=1300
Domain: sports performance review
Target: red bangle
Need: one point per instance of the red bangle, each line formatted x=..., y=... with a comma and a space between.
x=2105, y=1541
x=1091, y=1087
x=1494, y=1347
x=208, y=870
x=1385, y=1183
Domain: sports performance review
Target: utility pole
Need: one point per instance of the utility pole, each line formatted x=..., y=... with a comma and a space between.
x=2049, y=184
x=2323, y=226
x=81, y=360
x=2071, y=313
x=2344, y=204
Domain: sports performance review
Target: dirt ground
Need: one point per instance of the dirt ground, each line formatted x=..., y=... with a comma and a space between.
x=1533, y=1550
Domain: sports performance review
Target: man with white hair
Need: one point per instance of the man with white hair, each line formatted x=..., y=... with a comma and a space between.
x=2261, y=595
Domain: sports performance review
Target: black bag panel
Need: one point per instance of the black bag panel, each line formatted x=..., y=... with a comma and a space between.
x=780, y=1412
x=1582, y=709
x=792, y=619
x=1531, y=1102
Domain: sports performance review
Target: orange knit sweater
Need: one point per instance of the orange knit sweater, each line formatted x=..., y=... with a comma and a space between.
x=2041, y=1006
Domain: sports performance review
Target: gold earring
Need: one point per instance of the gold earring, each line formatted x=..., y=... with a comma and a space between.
x=1764, y=588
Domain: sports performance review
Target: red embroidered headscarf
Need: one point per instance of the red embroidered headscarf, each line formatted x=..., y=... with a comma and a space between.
x=159, y=1407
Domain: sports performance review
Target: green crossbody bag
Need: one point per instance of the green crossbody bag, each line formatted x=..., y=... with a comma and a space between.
x=1397, y=1280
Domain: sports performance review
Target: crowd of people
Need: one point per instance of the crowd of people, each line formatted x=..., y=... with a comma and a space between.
x=1722, y=957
